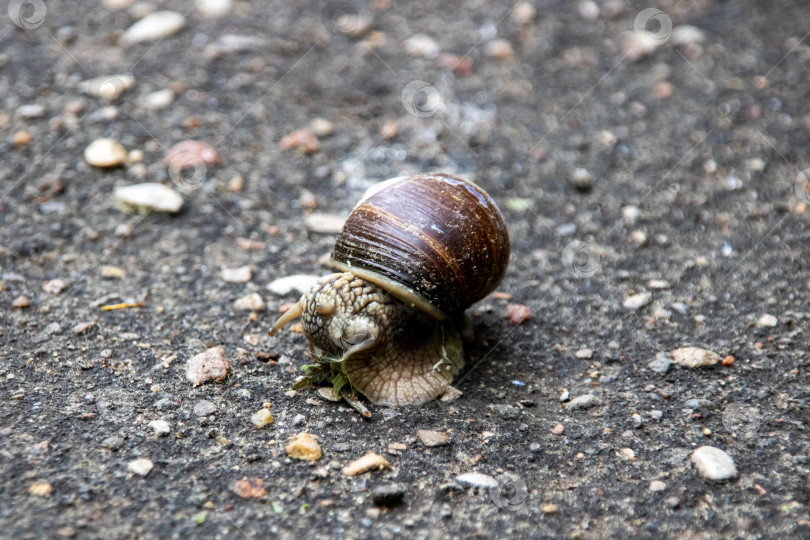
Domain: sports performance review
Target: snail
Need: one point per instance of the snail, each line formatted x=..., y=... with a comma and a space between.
x=415, y=253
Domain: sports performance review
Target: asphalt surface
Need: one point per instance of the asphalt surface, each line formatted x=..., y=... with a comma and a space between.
x=651, y=178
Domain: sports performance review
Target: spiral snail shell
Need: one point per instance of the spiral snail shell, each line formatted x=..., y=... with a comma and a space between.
x=413, y=255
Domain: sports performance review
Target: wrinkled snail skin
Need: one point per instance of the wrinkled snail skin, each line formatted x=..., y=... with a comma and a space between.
x=415, y=254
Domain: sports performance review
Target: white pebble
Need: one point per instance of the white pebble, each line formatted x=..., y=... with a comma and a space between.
x=107, y=87
x=141, y=467
x=692, y=357
x=767, y=321
x=713, y=464
x=686, y=34
x=250, y=302
x=324, y=223
x=141, y=198
x=105, y=153
x=297, y=282
x=158, y=99
x=160, y=427
x=154, y=26
x=34, y=110
x=477, y=480
x=421, y=46
x=583, y=402
x=213, y=8
x=637, y=301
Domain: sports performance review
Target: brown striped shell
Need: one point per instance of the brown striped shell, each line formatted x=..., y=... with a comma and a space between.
x=435, y=241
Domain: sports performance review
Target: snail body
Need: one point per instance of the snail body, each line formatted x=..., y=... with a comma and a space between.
x=413, y=255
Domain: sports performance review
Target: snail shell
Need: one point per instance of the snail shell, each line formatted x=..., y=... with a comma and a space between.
x=434, y=241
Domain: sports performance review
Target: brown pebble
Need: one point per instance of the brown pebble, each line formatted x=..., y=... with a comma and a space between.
x=369, y=462
x=303, y=140
x=518, y=313
x=41, y=489
x=20, y=302
x=209, y=365
x=303, y=446
x=728, y=361
x=559, y=429
x=22, y=138
x=433, y=438
x=249, y=488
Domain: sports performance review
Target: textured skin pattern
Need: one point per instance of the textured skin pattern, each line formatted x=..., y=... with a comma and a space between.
x=389, y=353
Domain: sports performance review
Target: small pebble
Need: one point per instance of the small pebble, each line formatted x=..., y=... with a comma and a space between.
x=250, y=302
x=209, y=365
x=299, y=283
x=31, y=111
x=321, y=127
x=657, y=485
x=584, y=354
x=304, y=446
x=158, y=99
x=141, y=466
x=693, y=357
x=637, y=420
x=21, y=302
x=581, y=179
x=714, y=464
x=241, y=274
x=156, y=25
x=369, y=462
x=213, y=8
x=261, y=418
x=517, y=313
x=395, y=448
x=249, y=488
x=40, y=489
x=421, y=46
x=583, y=402
x=353, y=24
x=142, y=198
x=160, y=427
x=767, y=321
x=318, y=222
x=105, y=153
x=637, y=301
x=83, y=327
x=660, y=364
x=107, y=87
x=303, y=140
x=686, y=34
x=477, y=480
x=549, y=508
x=388, y=495
x=450, y=394
x=204, y=407
x=433, y=438
x=559, y=429
x=112, y=443
x=523, y=13
x=500, y=49
x=112, y=272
